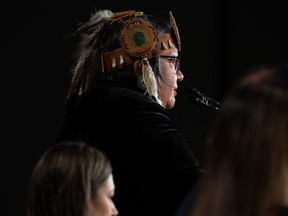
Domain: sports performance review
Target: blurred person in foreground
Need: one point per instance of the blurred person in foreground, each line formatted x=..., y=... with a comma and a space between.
x=72, y=179
x=246, y=155
x=124, y=83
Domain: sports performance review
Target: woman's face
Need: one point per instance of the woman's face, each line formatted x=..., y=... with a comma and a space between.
x=102, y=204
x=170, y=75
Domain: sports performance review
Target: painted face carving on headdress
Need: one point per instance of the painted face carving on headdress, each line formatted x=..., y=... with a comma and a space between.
x=139, y=39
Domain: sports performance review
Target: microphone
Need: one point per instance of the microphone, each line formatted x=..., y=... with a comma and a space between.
x=197, y=97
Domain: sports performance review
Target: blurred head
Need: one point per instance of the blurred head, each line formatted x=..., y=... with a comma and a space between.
x=71, y=179
x=246, y=153
x=131, y=48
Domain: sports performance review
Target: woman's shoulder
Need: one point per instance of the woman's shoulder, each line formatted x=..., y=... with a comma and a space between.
x=121, y=97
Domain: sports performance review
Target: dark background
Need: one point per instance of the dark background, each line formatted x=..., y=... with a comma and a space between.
x=219, y=42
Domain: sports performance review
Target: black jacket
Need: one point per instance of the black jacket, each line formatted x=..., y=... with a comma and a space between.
x=153, y=166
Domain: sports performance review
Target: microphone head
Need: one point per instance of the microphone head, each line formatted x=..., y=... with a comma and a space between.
x=198, y=98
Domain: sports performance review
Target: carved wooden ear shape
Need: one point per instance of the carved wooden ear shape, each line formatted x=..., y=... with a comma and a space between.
x=175, y=30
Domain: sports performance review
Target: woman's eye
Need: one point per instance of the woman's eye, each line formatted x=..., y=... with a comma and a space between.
x=173, y=61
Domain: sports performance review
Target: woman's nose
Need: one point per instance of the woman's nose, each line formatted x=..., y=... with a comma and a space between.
x=180, y=76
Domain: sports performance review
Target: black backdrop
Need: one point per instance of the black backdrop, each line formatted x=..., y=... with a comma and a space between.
x=219, y=42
